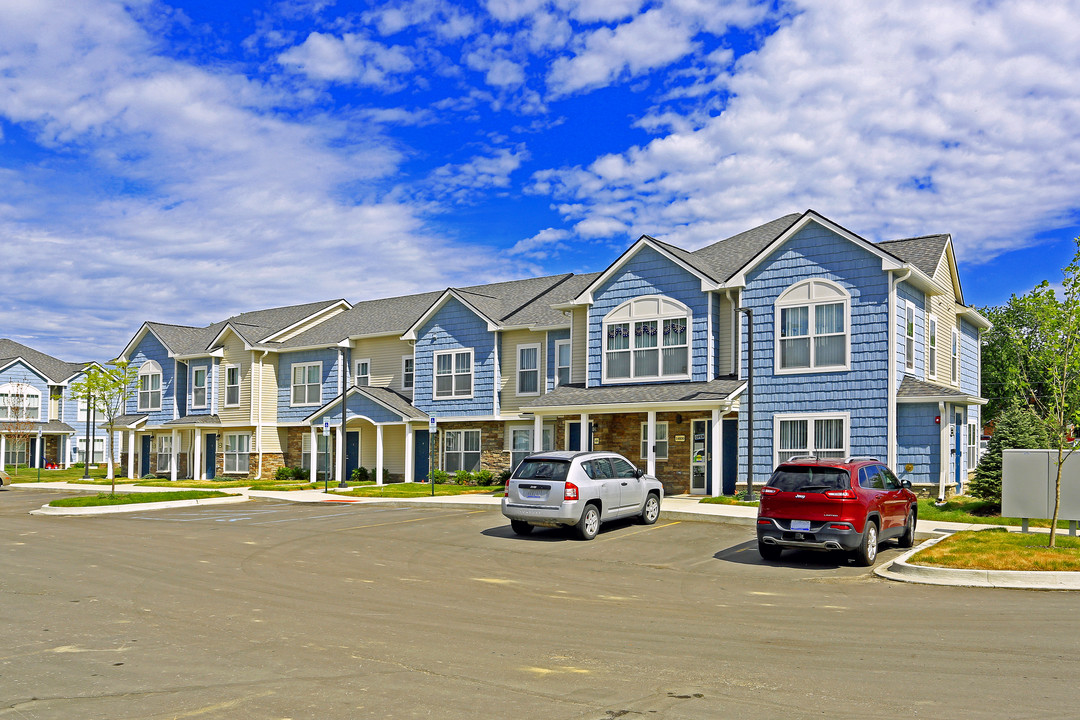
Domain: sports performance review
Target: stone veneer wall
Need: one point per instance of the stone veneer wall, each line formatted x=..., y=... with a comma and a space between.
x=622, y=434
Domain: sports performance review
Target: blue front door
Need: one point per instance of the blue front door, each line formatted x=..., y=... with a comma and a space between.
x=211, y=456
x=352, y=453
x=959, y=451
x=420, y=450
x=730, y=452
x=144, y=459
x=573, y=436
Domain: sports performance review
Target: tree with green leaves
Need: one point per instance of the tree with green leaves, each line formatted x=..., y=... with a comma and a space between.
x=1016, y=428
x=20, y=412
x=1048, y=360
x=108, y=388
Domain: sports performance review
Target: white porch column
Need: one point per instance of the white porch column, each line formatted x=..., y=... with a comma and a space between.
x=583, y=436
x=538, y=433
x=410, y=453
x=131, y=455
x=378, y=455
x=716, y=459
x=196, y=454
x=175, y=454
x=66, y=461
x=313, y=453
x=651, y=443
x=3, y=450
x=339, y=459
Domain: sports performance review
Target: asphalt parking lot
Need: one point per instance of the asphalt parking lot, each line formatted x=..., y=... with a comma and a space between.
x=277, y=610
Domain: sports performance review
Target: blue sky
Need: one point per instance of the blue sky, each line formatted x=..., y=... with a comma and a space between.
x=186, y=161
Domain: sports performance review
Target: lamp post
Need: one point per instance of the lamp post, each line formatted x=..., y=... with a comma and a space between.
x=749, y=312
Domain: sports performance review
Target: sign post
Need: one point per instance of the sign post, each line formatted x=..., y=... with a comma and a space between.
x=432, y=430
x=326, y=463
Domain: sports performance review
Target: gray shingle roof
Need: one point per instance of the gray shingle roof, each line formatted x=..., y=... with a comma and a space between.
x=369, y=317
x=393, y=400
x=692, y=392
x=182, y=339
x=499, y=301
x=129, y=420
x=256, y=326
x=55, y=370
x=195, y=420
x=539, y=312
x=922, y=252
x=913, y=389
x=725, y=258
x=53, y=426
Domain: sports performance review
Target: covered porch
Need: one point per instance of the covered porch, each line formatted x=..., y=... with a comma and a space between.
x=684, y=434
x=37, y=444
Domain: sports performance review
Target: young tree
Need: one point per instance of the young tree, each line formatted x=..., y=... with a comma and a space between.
x=20, y=416
x=1055, y=349
x=109, y=388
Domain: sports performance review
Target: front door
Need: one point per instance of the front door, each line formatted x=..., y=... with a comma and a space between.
x=420, y=449
x=573, y=436
x=700, y=457
x=730, y=455
x=352, y=453
x=144, y=456
x=211, y=455
x=958, y=451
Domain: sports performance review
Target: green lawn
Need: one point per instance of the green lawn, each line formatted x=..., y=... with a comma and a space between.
x=727, y=500
x=134, y=498
x=999, y=549
x=412, y=490
x=29, y=475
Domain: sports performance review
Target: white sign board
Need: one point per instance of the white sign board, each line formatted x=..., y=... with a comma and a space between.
x=431, y=424
x=326, y=427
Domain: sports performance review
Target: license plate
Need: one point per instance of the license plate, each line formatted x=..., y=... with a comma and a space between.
x=800, y=525
x=534, y=494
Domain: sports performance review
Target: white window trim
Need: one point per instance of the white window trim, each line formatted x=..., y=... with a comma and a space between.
x=226, y=386
x=162, y=451
x=80, y=446
x=971, y=449
x=26, y=391
x=632, y=319
x=811, y=303
x=292, y=384
x=931, y=348
x=461, y=431
x=810, y=417
x=205, y=387
x=569, y=367
x=357, y=374
x=149, y=369
x=954, y=356
x=909, y=359
x=226, y=453
x=538, y=370
x=645, y=439
x=435, y=368
x=405, y=359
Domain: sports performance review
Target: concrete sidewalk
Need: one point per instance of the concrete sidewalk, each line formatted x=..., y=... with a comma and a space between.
x=684, y=508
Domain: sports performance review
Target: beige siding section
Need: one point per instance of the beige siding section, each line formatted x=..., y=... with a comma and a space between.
x=235, y=354
x=385, y=355
x=393, y=447
x=944, y=309
x=271, y=442
x=579, y=339
x=722, y=326
x=269, y=390
x=509, y=401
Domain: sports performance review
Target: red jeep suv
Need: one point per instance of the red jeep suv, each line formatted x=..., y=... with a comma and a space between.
x=833, y=504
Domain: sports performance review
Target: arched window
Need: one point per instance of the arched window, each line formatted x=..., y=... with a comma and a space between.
x=149, y=386
x=647, y=338
x=19, y=401
x=813, y=327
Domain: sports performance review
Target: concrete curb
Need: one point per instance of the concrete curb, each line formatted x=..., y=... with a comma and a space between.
x=903, y=571
x=134, y=507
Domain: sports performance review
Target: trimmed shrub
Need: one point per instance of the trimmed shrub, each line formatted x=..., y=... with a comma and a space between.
x=361, y=474
x=464, y=477
x=439, y=477
x=485, y=477
x=283, y=474
x=504, y=476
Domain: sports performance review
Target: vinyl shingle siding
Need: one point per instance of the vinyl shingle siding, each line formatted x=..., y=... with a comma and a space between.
x=455, y=327
x=918, y=442
x=150, y=348
x=328, y=358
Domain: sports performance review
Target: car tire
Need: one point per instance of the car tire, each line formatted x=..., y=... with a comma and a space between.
x=651, y=511
x=907, y=538
x=589, y=524
x=520, y=527
x=769, y=552
x=867, y=552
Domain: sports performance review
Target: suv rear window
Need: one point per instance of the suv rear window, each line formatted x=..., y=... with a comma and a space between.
x=542, y=470
x=809, y=479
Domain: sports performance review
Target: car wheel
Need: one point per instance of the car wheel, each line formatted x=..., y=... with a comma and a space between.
x=867, y=552
x=769, y=552
x=651, y=511
x=907, y=539
x=589, y=524
x=520, y=527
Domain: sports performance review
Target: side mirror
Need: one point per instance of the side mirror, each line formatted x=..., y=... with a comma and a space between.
x=906, y=484
x=639, y=473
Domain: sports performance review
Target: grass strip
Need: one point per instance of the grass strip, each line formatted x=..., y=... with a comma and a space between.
x=134, y=498
x=999, y=549
x=412, y=490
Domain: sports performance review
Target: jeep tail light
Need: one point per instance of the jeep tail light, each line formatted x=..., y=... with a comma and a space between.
x=506, y=488
x=838, y=526
x=841, y=494
x=769, y=490
x=764, y=521
x=570, y=492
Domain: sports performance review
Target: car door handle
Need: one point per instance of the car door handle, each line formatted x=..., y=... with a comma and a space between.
x=625, y=484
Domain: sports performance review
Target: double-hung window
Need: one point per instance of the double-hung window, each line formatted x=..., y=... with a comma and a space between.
x=363, y=373
x=453, y=374
x=812, y=327
x=307, y=383
x=237, y=447
x=461, y=450
x=16, y=452
x=528, y=370
x=972, y=445
x=99, y=451
x=909, y=336
x=646, y=339
x=322, y=452
x=20, y=402
x=232, y=385
x=198, y=387
x=821, y=435
x=931, y=347
x=407, y=372
x=149, y=380
x=164, y=453
x=661, y=441
x=521, y=442
x=562, y=362
x=955, y=357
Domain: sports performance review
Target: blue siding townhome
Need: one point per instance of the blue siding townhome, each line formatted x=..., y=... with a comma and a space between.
x=36, y=402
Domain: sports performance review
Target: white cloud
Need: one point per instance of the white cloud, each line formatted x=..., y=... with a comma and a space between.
x=350, y=58
x=898, y=119
x=484, y=172
x=542, y=245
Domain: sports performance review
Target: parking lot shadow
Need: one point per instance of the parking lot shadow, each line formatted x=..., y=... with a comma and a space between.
x=559, y=534
x=746, y=553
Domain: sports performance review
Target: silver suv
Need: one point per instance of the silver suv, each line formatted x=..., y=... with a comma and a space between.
x=579, y=489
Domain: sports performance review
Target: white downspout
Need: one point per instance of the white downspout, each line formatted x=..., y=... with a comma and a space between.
x=259, y=418
x=943, y=450
x=890, y=431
